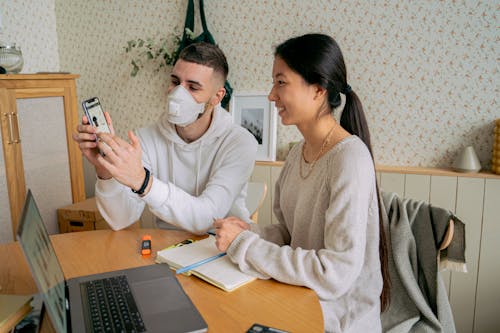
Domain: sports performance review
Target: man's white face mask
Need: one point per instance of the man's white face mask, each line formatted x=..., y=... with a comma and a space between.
x=182, y=108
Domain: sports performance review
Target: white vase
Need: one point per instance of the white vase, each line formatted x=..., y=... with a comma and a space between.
x=467, y=161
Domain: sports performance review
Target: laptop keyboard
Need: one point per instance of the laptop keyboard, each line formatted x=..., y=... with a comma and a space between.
x=110, y=306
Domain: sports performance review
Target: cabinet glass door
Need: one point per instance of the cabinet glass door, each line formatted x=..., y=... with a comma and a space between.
x=45, y=155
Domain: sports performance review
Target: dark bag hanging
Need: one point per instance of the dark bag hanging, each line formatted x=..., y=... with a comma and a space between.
x=205, y=36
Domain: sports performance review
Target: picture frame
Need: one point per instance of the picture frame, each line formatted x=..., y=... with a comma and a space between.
x=253, y=111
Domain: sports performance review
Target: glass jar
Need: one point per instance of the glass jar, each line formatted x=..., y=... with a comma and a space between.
x=11, y=58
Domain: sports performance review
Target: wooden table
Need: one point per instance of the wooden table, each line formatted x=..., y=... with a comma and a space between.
x=268, y=302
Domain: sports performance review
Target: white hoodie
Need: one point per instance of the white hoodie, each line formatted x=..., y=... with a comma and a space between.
x=193, y=183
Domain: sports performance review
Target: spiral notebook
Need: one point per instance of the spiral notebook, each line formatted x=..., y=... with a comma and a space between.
x=221, y=272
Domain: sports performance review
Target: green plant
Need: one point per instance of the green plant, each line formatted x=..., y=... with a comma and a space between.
x=161, y=52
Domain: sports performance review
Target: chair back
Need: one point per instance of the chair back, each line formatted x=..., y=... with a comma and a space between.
x=256, y=193
x=416, y=234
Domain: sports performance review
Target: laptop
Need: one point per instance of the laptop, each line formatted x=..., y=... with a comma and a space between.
x=143, y=299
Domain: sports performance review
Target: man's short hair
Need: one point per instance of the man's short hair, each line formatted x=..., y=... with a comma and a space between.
x=206, y=54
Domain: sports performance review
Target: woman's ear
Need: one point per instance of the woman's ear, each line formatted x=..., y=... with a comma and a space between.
x=319, y=91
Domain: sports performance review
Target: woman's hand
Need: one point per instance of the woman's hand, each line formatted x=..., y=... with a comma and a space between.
x=226, y=231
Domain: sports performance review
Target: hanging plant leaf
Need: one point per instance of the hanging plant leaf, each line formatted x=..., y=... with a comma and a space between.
x=162, y=52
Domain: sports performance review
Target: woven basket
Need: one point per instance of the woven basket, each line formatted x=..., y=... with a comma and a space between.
x=495, y=160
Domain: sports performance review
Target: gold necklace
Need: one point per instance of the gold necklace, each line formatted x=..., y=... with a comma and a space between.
x=313, y=163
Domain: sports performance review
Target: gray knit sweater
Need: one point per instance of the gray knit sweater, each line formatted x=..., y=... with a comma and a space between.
x=327, y=237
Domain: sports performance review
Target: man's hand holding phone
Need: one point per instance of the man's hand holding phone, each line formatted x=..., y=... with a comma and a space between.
x=96, y=116
x=87, y=139
x=111, y=155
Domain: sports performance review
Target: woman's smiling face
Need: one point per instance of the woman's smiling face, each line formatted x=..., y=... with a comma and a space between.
x=295, y=99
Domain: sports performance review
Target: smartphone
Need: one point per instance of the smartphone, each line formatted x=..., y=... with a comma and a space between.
x=95, y=114
x=258, y=328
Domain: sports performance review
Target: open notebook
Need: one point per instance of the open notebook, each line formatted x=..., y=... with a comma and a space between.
x=221, y=272
x=13, y=308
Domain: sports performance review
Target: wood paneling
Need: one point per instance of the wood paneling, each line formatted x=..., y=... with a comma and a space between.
x=470, y=194
x=418, y=187
x=393, y=182
x=487, y=318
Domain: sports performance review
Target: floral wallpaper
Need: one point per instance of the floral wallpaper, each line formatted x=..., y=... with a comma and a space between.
x=427, y=72
x=32, y=26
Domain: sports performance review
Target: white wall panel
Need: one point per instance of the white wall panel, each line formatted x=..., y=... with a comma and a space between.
x=470, y=194
x=262, y=173
x=393, y=182
x=487, y=316
x=418, y=187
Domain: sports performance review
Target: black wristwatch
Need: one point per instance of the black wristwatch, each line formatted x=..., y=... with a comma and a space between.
x=144, y=184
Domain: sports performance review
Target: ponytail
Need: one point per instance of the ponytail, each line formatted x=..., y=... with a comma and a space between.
x=353, y=120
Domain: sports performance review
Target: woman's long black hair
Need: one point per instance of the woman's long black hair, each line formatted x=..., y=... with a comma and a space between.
x=319, y=60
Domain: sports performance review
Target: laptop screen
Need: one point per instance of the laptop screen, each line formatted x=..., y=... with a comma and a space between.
x=42, y=259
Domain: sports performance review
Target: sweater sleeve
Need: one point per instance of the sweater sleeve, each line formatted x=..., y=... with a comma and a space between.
x=118, y=205
x=332, y=270
x=232, y=167
x=231, y=171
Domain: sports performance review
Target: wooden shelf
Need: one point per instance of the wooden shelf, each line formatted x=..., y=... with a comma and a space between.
x=51, y=76
x=435, y=172
x=410, y=170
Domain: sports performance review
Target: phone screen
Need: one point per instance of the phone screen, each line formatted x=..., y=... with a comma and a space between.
x=94, y=113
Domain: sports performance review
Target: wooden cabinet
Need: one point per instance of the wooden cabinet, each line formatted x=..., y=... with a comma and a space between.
x=38, y=116
x=474, y=296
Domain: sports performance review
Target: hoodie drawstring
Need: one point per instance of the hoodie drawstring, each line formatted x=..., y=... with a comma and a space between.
x=198, y=164
x=171, y=162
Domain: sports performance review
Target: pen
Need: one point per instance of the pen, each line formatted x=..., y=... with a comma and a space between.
x=184, y=242
x=199, y=263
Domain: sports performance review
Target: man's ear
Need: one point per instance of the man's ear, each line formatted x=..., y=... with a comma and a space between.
x=219, y=95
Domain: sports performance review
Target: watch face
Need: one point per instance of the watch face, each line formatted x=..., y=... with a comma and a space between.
x=146, y=244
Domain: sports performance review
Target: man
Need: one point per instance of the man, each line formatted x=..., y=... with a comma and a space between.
x=191, y=167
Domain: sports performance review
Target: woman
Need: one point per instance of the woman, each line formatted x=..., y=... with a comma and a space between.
x=329, y=233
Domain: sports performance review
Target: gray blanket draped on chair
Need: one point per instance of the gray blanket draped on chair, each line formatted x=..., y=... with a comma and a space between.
x=415, y=230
